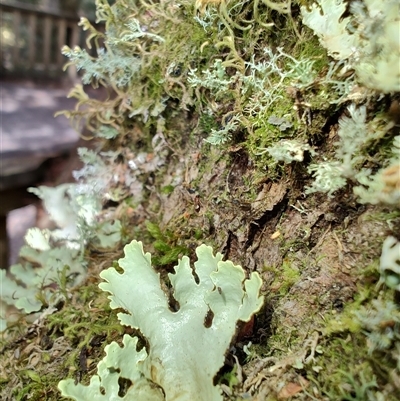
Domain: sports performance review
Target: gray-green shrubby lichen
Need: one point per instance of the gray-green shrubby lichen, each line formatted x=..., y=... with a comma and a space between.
x=367, y=38
x=389, y=266
x=114, y=66
x=220, y=136
x=383, y=187
x=107, y=132
x=355, y=136
x=380, y=322
x=254, y=92
x=288, y=151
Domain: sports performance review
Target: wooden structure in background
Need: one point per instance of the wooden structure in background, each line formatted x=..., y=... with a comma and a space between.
x=32, y=38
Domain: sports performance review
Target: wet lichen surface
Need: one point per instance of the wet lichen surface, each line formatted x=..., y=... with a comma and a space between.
x=329, y=328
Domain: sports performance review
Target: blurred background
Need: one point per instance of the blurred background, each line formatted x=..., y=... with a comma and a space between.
x=35, y=147
x=33, y=32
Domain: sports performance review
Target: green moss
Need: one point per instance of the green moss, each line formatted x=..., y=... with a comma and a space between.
x=207, y=122
x=167, y=190
x=285, y=276
x=309, y=48
x=346, y=371
x=346, y=322
x=168, y=245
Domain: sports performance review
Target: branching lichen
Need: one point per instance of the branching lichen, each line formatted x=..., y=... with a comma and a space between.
x=186, y=345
